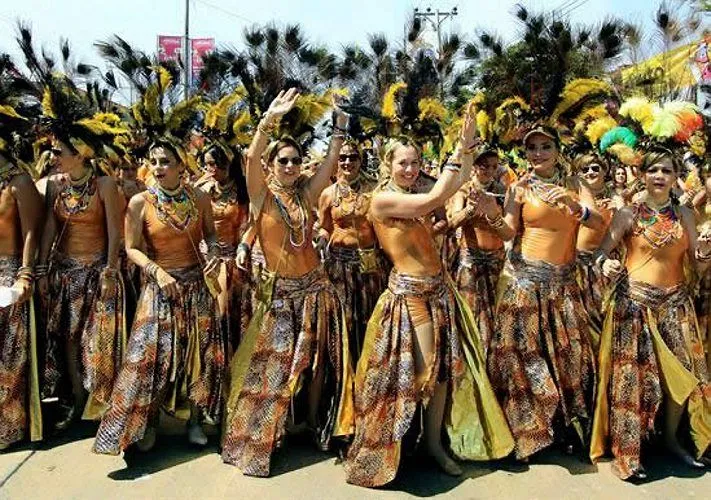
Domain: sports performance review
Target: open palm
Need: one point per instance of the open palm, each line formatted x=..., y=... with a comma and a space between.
x=283, y=102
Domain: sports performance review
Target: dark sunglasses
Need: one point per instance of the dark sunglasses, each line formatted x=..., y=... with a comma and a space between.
x=294, y=161
x=590, y=168
x=351, y=157
x=56, y=151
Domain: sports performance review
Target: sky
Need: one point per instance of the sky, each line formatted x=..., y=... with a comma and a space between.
x=329, y=22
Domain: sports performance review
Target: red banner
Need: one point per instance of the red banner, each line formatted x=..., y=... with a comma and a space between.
x=200, y=47
x=170, y=48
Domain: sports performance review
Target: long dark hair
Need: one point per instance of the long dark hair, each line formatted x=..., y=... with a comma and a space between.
x=234, y=168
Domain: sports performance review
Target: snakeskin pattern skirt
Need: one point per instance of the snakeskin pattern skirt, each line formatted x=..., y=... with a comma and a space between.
x=387, y=393
x=541, y=361
x=175, y=359
x=78, y=312
x=19, y=394
x=476, y=274
x=651, y=349
x=358, y=292
x=296, y=343
x=594, y=287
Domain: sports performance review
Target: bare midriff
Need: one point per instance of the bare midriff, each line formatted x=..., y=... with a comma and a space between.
x=228, y=220
x=167, y=246
x=352, y=230
x=548, y=233
x=283, y=257
x=10, y=228
x=476, y=233
x=661, y=267
x=410, y=245
x=83, y=235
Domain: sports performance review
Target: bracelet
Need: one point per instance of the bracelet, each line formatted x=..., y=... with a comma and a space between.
x=585, y=215
x=267, y=128
x=41, y=270
x=452, y=167
x=151, y=269
x=496, y=223
x=25, y=273
x=336, y=128
x=339, y=135
x=702, y=257
x=243, y=247
x=600, y=259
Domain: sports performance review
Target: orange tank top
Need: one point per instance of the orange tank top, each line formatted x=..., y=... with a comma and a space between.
x=589, y=239
x=349, y=212
x=289, y=252
x=547, y=233
x=167, y=244
x=476, y=232
x=656, y=250
x=10, y=228
x=410, y=245
x=227, y=213
x=81, y=221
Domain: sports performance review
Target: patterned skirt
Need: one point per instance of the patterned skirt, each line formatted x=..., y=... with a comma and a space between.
x=651, y=349
x=78, y=313
x=19, y=387
x=358, y=292
x=297, y=330
x=476, y=274
x=386, y=392
x=703, y=310
x=175, y=358
x=541, y=361
x=594, y=287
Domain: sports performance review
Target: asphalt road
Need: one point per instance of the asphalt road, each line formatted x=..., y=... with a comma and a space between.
x=64, y=467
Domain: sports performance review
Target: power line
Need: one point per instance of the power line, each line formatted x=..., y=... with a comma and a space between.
x=575, y=7
x=224, y=11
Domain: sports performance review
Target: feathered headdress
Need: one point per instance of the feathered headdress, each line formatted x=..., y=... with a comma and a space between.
x=159, y=113
x=67, y=113
x=16, y=117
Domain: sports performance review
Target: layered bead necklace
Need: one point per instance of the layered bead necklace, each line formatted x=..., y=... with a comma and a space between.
x=297, y=224
x=541, y=186
x=348, y=197
x=176, y=208
x=223, y=196
x=75, y=195
x=660, y=226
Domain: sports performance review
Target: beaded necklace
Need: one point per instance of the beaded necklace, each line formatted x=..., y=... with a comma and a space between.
x=75, y=195
x=296, y=225
x=176, y=208
x=348, y=197
x=541, y=187
x=659, y=227
x=223, y=196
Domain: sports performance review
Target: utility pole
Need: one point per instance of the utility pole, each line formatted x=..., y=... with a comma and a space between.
x=436, y=23
x=187, y=53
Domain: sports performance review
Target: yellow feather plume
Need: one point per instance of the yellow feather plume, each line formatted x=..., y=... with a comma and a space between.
x=483, y=125
x=583, y=119
x=576, y=91
x=218, y=114
x=389, y=109
x=597, y=129
x=639, y=109
x=99, y=127
x=48, y=105
x=183, y=110
x=241, y=129
x=626, y=154
x=663, y=125
x=7, y=110
x=432, y=109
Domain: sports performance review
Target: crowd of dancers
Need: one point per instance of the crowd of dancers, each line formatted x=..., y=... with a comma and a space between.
x=538, y=281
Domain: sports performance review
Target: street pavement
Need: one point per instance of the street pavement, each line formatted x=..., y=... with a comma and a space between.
x=64, y=467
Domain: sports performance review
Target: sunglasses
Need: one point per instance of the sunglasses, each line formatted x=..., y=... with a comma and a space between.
x=351, y=157
x=294, y=161
x=56, y=151
x=590, y=168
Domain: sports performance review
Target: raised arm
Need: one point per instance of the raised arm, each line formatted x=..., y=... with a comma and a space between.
x=254, y=174
x=321, y=178
x=410, y=206
x=699, y=245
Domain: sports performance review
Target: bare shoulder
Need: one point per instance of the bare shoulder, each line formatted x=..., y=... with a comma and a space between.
x=137, y=202
x=106, y=182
